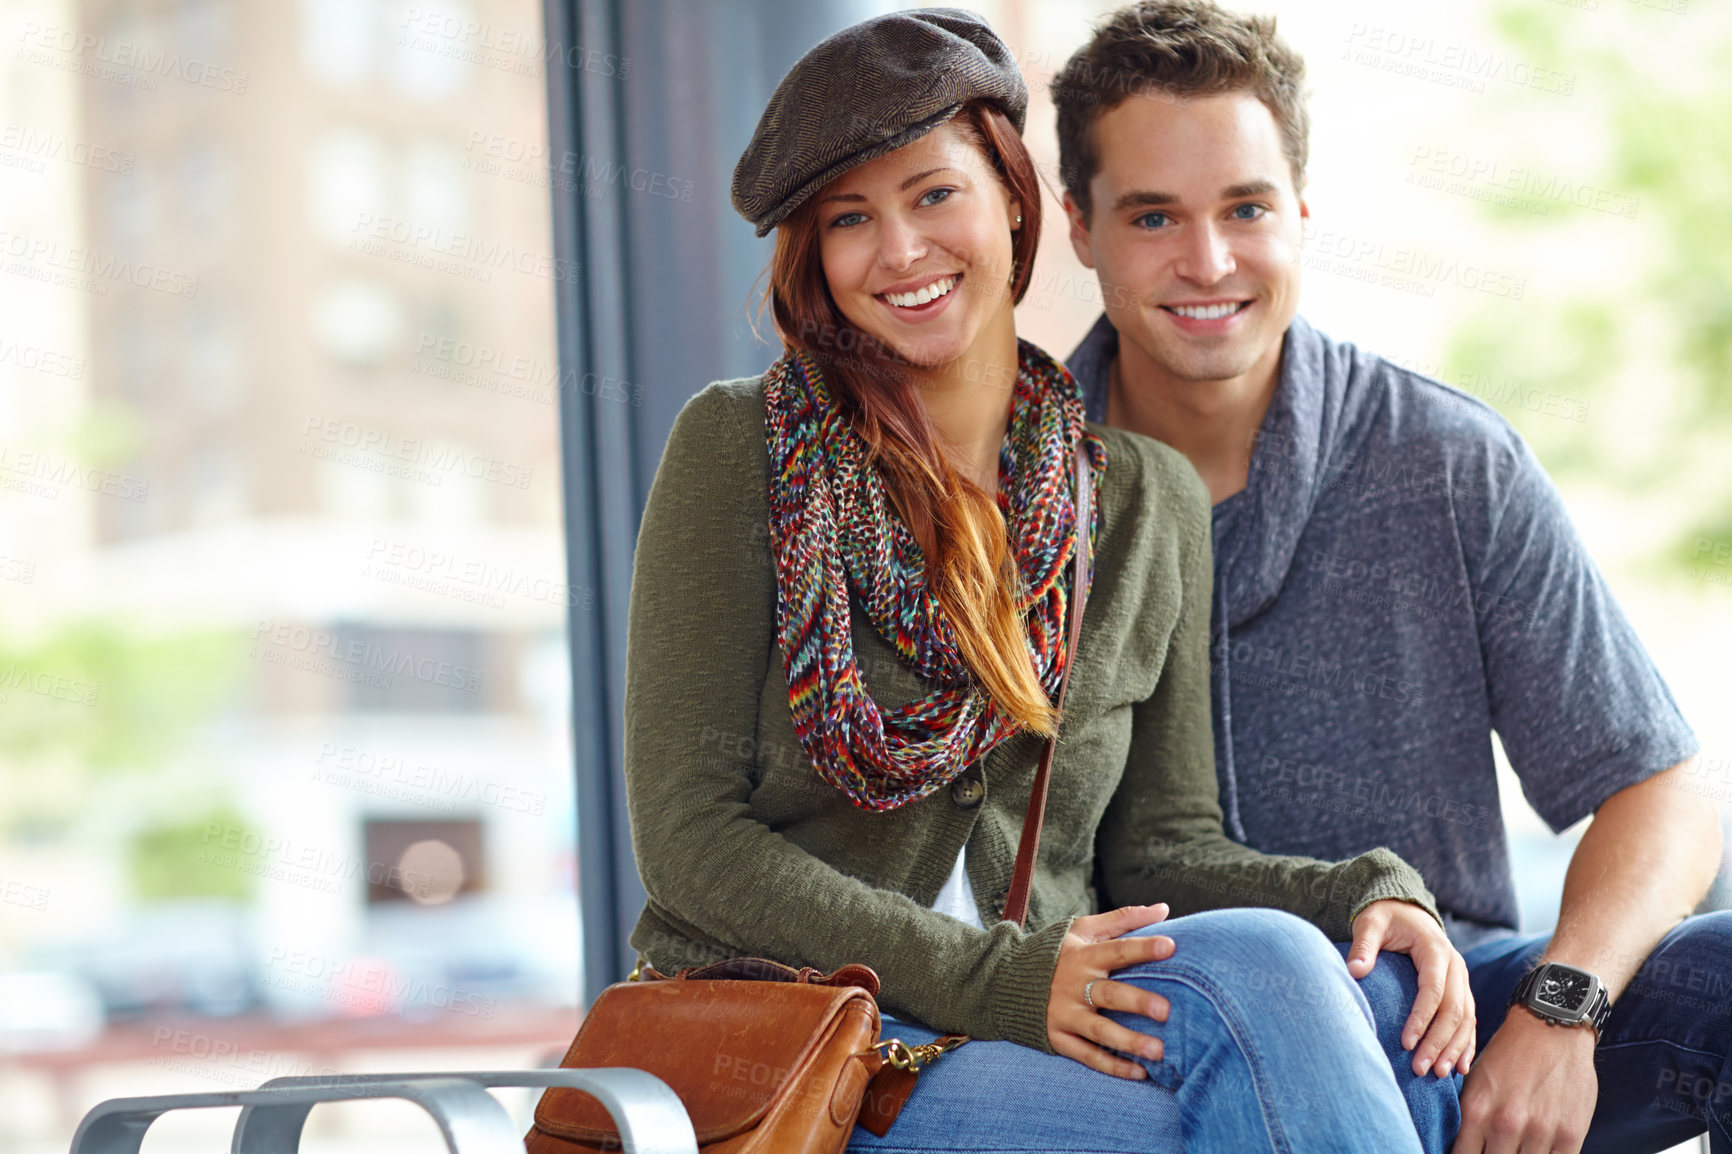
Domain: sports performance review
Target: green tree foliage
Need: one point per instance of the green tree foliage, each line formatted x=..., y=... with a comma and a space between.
x=180, y=860
x=93, y=703
x=94, y=707
x=98, y=695
x=1656, y=88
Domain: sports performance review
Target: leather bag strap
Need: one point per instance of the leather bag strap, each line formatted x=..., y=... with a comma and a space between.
x=1016, y=905
x=892, y=1083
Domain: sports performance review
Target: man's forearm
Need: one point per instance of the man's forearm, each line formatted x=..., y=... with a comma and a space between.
x=1647, y=858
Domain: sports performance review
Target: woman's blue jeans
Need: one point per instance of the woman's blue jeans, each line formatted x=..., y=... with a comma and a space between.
x=1270, y=1046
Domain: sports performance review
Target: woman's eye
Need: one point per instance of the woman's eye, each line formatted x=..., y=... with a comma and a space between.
x=1248, y=211
x=846, y=219
x=935, y=195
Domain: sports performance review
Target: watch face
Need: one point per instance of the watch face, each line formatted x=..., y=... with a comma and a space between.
x=1562, y=989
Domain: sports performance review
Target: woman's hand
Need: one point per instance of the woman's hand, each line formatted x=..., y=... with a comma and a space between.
x=1092, y=949
x=1440, y=1030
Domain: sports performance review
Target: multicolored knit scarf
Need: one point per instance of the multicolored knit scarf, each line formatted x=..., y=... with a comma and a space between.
x=834, y=528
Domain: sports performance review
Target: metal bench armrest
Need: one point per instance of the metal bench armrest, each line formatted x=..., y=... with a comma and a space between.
x=469, y=1120
x=649, y=1115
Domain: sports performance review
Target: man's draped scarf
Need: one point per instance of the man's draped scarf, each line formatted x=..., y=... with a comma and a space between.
x=834, y=528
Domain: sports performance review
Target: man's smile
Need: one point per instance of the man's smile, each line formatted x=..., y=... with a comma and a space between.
x=1206, y=316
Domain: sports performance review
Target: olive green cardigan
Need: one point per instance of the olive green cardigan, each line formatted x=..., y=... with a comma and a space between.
x=744, y=850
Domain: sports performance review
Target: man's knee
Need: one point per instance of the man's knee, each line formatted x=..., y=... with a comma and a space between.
x=1691, y=960
x=1707, y=934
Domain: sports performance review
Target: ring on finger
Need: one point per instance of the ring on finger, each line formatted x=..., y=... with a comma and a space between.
x=1087, y=998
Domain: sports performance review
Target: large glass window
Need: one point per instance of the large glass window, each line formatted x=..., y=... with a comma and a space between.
x=285, y=769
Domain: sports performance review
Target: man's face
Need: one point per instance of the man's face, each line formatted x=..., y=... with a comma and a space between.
x=1195, y=233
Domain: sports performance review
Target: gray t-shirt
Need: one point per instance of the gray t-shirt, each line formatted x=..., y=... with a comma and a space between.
x=1397, y=580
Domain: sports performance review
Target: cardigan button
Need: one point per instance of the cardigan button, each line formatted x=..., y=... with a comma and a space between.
x=967, y=792
x=1000, y=900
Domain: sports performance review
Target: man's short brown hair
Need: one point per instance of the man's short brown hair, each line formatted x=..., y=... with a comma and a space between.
x=1174, y=49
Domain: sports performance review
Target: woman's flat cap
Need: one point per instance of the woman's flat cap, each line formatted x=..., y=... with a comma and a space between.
x=867, y=91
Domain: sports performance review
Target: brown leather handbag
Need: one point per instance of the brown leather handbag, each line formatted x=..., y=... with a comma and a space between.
x=768, y=1059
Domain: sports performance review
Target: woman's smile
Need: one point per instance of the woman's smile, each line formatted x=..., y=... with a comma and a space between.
x=926, y=299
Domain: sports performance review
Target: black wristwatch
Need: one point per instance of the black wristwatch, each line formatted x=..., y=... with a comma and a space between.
x=1564, y=996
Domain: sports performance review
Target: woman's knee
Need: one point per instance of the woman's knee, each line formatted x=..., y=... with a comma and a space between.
x=1260, y=952
x=1390, y=989
x=1274, y=934
x=1394, y=978
x=1283, y=933
x=1269, y=979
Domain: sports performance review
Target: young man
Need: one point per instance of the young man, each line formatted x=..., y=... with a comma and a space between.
x=1396, y=578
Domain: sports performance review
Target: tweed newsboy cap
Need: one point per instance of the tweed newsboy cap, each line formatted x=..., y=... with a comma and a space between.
x=867, y=91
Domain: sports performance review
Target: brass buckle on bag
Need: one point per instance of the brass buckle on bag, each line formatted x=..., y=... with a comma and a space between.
x=910, y=1058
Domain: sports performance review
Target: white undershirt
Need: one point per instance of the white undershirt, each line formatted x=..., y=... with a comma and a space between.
x=957, y=896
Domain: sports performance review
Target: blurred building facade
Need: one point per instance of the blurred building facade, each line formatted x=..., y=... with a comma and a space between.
x=300, y=257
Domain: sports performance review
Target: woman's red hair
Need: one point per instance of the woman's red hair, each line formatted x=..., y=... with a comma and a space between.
x=961, y=534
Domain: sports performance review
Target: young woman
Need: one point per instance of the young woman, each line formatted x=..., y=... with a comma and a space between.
x=848, y=624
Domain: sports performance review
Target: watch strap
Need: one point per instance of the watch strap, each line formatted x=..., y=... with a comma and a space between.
x=1519, y=996
x=1599, y=1010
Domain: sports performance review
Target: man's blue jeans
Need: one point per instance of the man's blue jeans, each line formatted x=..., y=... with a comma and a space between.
x=1662, y=1064
x=1270, y=1046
